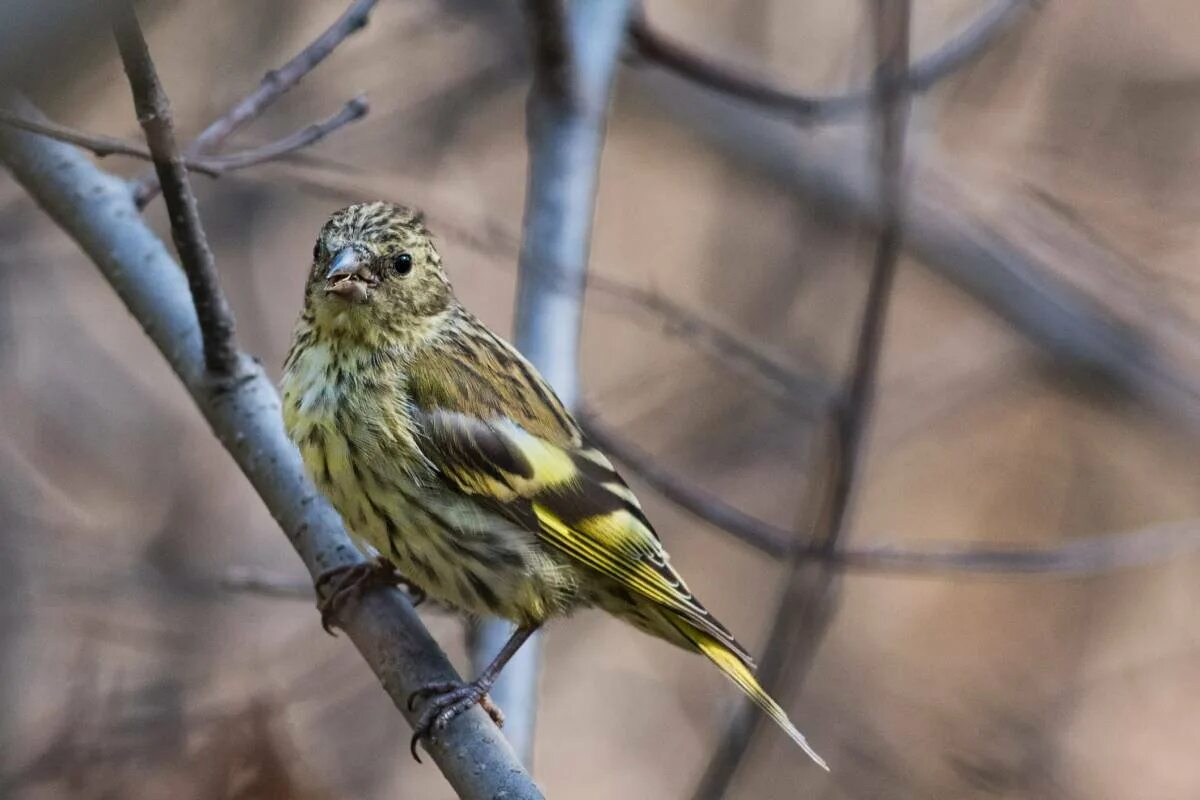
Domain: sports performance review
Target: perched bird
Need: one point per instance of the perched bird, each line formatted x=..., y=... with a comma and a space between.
x=453, y=461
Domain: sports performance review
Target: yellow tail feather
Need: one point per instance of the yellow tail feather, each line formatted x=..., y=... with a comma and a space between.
x=729, y=663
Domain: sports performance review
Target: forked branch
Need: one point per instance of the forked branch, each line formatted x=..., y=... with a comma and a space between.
x=274, y=85
x=191, y=242
x=656, y=48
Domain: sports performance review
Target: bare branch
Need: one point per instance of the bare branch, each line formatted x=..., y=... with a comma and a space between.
x=1090, y=556
x=154, y=113
x=552, y=67
x=956, y=53
x=213, y=166
x=97, y=143
x=1013, y=267
x=804, y=393
x=269, y=584
x=95, y=209
x=274, y=85
x=575, y=54
x=1085, y=557
x=770, y=539
x=891, y=29
x=307, y=136
x=811, y=593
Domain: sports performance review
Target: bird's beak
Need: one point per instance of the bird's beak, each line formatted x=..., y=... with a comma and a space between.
x=348, y=276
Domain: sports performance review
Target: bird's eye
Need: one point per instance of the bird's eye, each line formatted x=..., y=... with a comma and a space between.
x=403, y=264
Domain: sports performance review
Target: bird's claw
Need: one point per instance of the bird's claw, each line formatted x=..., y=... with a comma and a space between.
x=446, y=700
x=338, y=585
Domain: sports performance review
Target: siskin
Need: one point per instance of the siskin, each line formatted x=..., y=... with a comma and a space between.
x=449, y=457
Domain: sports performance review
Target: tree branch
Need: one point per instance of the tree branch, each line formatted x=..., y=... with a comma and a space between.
x=811, y=594
x=212, y=166
x=95, y=209
x=805, y=394
x=1010, y=267
x=1094, y=555
x=956, y=53
x=97, y=143
x=191, y=243
x=307, y=136
x=773, y=540
x=274, y=85
x=575, y=50
x=1084, y=557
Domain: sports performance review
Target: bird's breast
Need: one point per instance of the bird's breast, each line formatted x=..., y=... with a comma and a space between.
x=357, y=439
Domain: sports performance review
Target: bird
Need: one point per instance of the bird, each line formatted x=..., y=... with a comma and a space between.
x=454, y=464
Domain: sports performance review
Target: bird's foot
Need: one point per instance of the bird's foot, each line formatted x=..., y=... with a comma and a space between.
x=446, y=701
x=337, y=586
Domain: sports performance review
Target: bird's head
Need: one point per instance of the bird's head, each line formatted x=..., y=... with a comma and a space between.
x=375, y=266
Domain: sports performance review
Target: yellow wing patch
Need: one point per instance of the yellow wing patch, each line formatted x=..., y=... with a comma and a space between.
x=572, y=498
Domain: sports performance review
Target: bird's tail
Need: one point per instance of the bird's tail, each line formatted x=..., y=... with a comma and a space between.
x=737, y=671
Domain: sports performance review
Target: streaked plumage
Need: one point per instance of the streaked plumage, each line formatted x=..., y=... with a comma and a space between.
x=448, y=455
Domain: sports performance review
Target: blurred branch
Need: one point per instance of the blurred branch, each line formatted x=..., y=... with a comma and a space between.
x=95, y=209
x=575, y=49
x=273, y=86
x=811, y=594
x=802, y=392
x=1093, y=555
x=763, y=536
x=1009, y=266
x=213, y=166
x=191, y=242
x=956, y=53
x=96, y=143
x=307, y=136
x=270, y=584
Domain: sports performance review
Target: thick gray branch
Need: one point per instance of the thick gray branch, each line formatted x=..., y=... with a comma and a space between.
x=575, y=52
x=95, y=209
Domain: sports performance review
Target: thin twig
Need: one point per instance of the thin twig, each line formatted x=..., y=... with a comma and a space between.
x=891, y=29
x=307, y=136
x=1094, y=555
x=213, y=166
x=956, y=53
x=1085, y=557
x=269, y=584
x=154, y=114
x=804, y=393
x=97, y=143
x=807, y=604
x=770, y=539
x=273, y=86
x=95, y=210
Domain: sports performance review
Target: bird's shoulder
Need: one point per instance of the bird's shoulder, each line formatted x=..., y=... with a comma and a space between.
x=469, y=370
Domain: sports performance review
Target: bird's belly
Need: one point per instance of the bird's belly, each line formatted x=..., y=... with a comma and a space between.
x=452, y=548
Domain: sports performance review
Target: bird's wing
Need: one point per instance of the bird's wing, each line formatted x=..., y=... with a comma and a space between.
x=552, y=483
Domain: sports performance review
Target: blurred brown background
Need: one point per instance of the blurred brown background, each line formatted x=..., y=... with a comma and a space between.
x=128, y=670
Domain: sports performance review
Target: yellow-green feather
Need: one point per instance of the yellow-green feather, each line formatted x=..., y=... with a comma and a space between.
x=731, y=665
